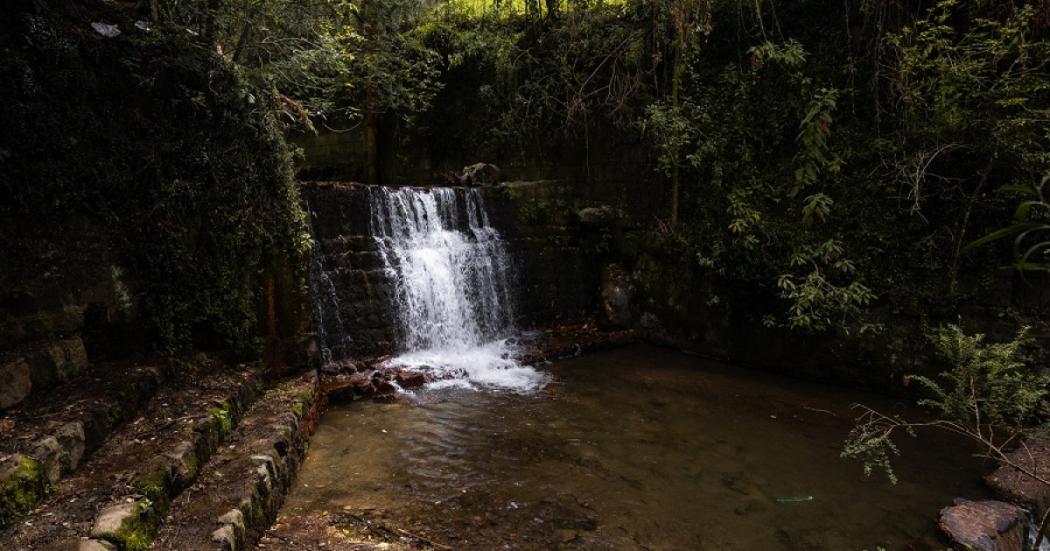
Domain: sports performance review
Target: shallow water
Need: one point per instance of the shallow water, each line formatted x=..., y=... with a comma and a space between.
x=636, y=448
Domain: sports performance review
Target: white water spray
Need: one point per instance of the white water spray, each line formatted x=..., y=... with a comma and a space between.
x=452, y=290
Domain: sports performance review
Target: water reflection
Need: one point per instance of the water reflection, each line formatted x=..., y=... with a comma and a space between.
x=629, y=449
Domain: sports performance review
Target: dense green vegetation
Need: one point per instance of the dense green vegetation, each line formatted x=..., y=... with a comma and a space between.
x=829, y=169
x=830, y=158
x=147, y=160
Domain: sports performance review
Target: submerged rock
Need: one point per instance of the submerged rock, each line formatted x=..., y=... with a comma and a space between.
x=985, y=525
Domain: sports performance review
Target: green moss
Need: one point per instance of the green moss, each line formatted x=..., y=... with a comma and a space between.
x=22, y=489
x=192, y=465
x=223, y=418
x=258, y=511
x=156, y=487
x=302, y=402
x=136, y=532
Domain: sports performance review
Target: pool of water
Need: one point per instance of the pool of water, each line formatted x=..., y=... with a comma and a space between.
x=635, y=448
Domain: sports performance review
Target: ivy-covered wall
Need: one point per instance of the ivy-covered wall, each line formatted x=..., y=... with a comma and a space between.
x=145, y=183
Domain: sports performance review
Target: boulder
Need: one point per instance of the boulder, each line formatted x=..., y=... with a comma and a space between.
x=616, y=295
x=15, y=382
x=411, y=379
x=985, y=525
x=480, y=174
x=1012, y=485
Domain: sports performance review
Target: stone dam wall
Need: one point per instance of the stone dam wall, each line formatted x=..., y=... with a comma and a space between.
x=555, y=263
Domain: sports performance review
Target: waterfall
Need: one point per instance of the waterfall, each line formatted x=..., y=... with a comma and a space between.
x=452, y=286
x=332, y=336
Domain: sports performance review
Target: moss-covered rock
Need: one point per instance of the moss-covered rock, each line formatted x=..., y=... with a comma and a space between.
x=130, y=526
x=156, y=485
x=224, y=419
x=23, y=484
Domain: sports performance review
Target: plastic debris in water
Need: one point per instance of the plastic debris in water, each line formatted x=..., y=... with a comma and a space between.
x=794, y=499
x=105, y=29
x=143, y=26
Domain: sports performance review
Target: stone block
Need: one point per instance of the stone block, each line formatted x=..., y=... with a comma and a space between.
x=51, y=456
x=71, y=437
x=58, y=362
x=15, y=382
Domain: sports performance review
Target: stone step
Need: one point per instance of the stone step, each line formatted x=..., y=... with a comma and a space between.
x=241, y=488
x=49, y=436
x=122, y=491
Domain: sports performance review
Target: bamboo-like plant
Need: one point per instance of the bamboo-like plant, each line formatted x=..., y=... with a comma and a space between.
x=1030, y=230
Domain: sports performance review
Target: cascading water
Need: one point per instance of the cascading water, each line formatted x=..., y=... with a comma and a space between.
x=452, y=287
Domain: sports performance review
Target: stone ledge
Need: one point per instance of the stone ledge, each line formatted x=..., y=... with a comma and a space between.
x=38, y=367
x=59, y=431
x=242, y=487
x=148, y=462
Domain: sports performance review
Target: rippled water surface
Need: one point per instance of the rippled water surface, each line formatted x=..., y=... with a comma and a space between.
x=636, y=448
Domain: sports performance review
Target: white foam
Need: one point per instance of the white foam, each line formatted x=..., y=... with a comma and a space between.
x=488, y=366
x=452, y=287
